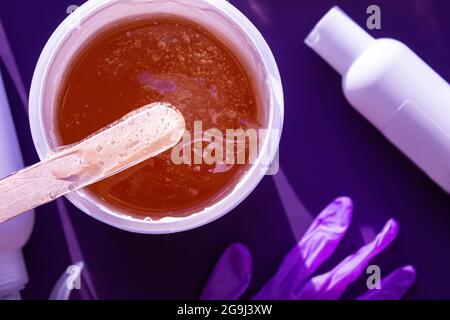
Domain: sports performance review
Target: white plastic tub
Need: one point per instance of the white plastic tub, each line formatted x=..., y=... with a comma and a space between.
x=219, y=17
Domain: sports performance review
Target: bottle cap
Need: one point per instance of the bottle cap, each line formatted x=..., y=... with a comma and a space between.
x=13, y=273
x=338, y=40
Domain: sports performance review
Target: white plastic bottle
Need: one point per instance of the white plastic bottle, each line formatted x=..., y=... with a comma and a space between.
x=15, y=233
x=393, y=88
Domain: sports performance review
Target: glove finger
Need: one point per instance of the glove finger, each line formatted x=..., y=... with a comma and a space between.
x=318, y=243
x=231, y=275
x=394, y=286
x=331, y=285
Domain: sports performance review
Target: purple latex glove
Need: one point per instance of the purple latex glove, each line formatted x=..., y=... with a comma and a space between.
x=293, y=281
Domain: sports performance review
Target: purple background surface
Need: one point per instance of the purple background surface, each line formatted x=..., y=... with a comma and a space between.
x=327, y=150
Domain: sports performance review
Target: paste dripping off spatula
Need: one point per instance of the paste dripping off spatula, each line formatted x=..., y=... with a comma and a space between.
x=138, y=136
